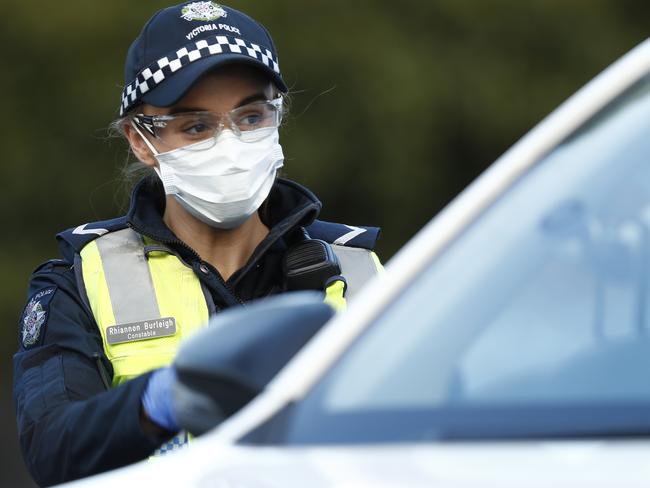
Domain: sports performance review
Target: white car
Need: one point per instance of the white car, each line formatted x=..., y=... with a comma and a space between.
x=507, y=344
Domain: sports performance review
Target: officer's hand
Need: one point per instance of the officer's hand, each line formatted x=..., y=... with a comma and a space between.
x=157, y=405
x=335, y=293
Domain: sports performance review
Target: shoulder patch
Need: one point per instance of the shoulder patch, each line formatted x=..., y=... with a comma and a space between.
x=344, y=235
x=35, y=316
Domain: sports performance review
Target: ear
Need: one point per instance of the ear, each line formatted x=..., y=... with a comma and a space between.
x=138, y=146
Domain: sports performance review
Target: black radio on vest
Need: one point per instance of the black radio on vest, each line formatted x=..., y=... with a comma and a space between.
x=309, y=264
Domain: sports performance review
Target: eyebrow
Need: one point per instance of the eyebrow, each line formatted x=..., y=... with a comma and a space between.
x=256, y=97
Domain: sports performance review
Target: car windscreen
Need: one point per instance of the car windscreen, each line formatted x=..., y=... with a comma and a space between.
x=534, y=323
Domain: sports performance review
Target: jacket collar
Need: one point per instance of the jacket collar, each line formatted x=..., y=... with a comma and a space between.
x=288, y=206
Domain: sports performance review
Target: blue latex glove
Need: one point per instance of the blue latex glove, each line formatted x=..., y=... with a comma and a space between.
x=157, y=399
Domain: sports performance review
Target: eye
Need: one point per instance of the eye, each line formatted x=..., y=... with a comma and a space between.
x=196, y=129
x=192, y=125
x=251, y=119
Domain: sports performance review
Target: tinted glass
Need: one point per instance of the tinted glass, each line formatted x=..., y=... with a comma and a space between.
x=534, y=323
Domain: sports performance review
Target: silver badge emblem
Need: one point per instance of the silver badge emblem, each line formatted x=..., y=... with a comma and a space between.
x=203, y=11
x=34, y=317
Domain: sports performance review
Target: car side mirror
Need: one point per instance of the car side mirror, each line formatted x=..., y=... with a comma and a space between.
x=223, y=367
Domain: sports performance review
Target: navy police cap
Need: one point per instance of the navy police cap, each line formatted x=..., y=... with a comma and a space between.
x=181, y=43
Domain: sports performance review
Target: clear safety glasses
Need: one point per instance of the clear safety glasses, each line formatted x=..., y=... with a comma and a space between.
x=249, y=122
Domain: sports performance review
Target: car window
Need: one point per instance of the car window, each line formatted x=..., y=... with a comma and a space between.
x=535, y=322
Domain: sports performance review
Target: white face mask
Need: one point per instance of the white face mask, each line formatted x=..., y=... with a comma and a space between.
x=225, y=184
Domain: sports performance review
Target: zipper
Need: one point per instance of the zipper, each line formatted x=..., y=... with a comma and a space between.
x=180, y=243
x=281, y=229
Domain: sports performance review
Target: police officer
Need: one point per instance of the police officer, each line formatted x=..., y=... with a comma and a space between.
x=209, y=229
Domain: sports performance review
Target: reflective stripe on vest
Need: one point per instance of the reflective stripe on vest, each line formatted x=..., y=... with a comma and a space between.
x=358, y=265
x=127, y=288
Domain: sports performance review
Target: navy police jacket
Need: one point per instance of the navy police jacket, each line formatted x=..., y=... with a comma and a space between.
x=70, y=422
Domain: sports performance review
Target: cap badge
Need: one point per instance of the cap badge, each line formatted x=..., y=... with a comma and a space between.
x=202, y=11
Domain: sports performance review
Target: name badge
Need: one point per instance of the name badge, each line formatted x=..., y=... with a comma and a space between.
x=140, y=331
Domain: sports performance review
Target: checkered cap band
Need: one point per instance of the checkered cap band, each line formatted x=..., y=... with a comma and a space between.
x=177, y=442
x=159, y=70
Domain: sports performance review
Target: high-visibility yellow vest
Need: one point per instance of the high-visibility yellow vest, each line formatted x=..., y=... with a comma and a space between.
x=139, y=290
x=135, y=289
x=145, y=301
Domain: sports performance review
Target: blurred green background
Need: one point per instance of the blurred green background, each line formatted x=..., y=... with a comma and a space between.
x=396, y=107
